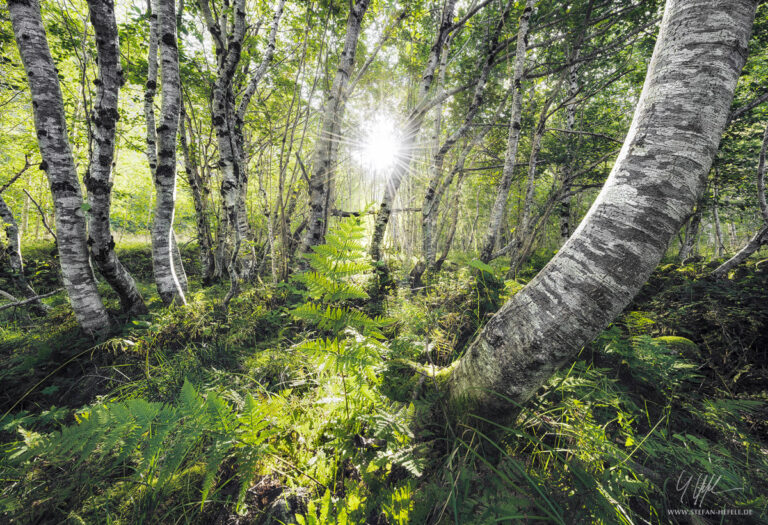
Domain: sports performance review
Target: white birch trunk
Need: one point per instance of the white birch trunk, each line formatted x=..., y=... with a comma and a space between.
x=167, y=267
x=98, y=181
x=655, y=182
x=327, y=145
x=59, y=165
x=500, y=204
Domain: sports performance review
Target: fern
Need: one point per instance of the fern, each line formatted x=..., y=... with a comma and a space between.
x=335, y=281
x=157, y=440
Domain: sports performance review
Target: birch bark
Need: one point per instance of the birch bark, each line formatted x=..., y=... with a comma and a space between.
x=500, y=204
x=13, y=251
x=98, y=181
x=655, y=182
x=327, y=145
x=161, y=147
x=59, y=165
x=198, y=189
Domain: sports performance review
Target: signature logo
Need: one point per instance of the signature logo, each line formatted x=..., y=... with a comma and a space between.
x=698, y=486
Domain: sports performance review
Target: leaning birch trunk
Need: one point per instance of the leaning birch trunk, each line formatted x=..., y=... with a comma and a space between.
x=761, y=237
x=500, y=204
x=327, y=145
x=99, y=178
x=166, y=278
x=13, y=251
x=59, y=165
x=656, y=181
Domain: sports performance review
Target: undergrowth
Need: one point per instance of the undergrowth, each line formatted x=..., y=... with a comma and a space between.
x=279, y=412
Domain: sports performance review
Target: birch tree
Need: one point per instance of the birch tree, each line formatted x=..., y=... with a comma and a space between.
x=327, y=145
x=98, y=182
x=413, y=126
x=161, y=148
x=58, y=164
x=515, y=126
x=761, y=237
x=228, y=115
x=12, y=248
x=655, y=183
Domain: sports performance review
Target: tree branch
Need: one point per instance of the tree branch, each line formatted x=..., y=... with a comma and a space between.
x=27, y=164
x=29, y=300
x=42, y=215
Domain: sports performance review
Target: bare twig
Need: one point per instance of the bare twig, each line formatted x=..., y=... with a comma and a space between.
x=42, y=215
x=27, y=164
x=29, y=300
x=738, y=112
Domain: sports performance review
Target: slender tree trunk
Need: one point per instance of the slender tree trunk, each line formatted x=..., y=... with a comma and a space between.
x=691, y=233
x=98, y=182
x=454, y=218
x=761, y=237
x=500, y=204
x=13, y=251
x=720, y=248
x=655, y=183
x=327, y=145
x=59, y=165
x=434, y=193
x=411, y=131
x=166, y=266
x=197, y=188
x=525, y=234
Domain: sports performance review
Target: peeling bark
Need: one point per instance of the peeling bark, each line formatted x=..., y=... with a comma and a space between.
x=655, y=183
x=59, y=165
x=98, y=181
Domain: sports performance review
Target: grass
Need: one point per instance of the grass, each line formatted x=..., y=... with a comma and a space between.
x=612, y=438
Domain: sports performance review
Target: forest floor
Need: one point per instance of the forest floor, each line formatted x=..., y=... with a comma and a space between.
x=191, y=416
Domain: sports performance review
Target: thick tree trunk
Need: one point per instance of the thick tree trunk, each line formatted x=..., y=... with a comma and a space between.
x=59, y=165
x=98, y=182
x=166, y=268
x=655, y=182
x=500, y=204
x=327, y=145
x=13, y=251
